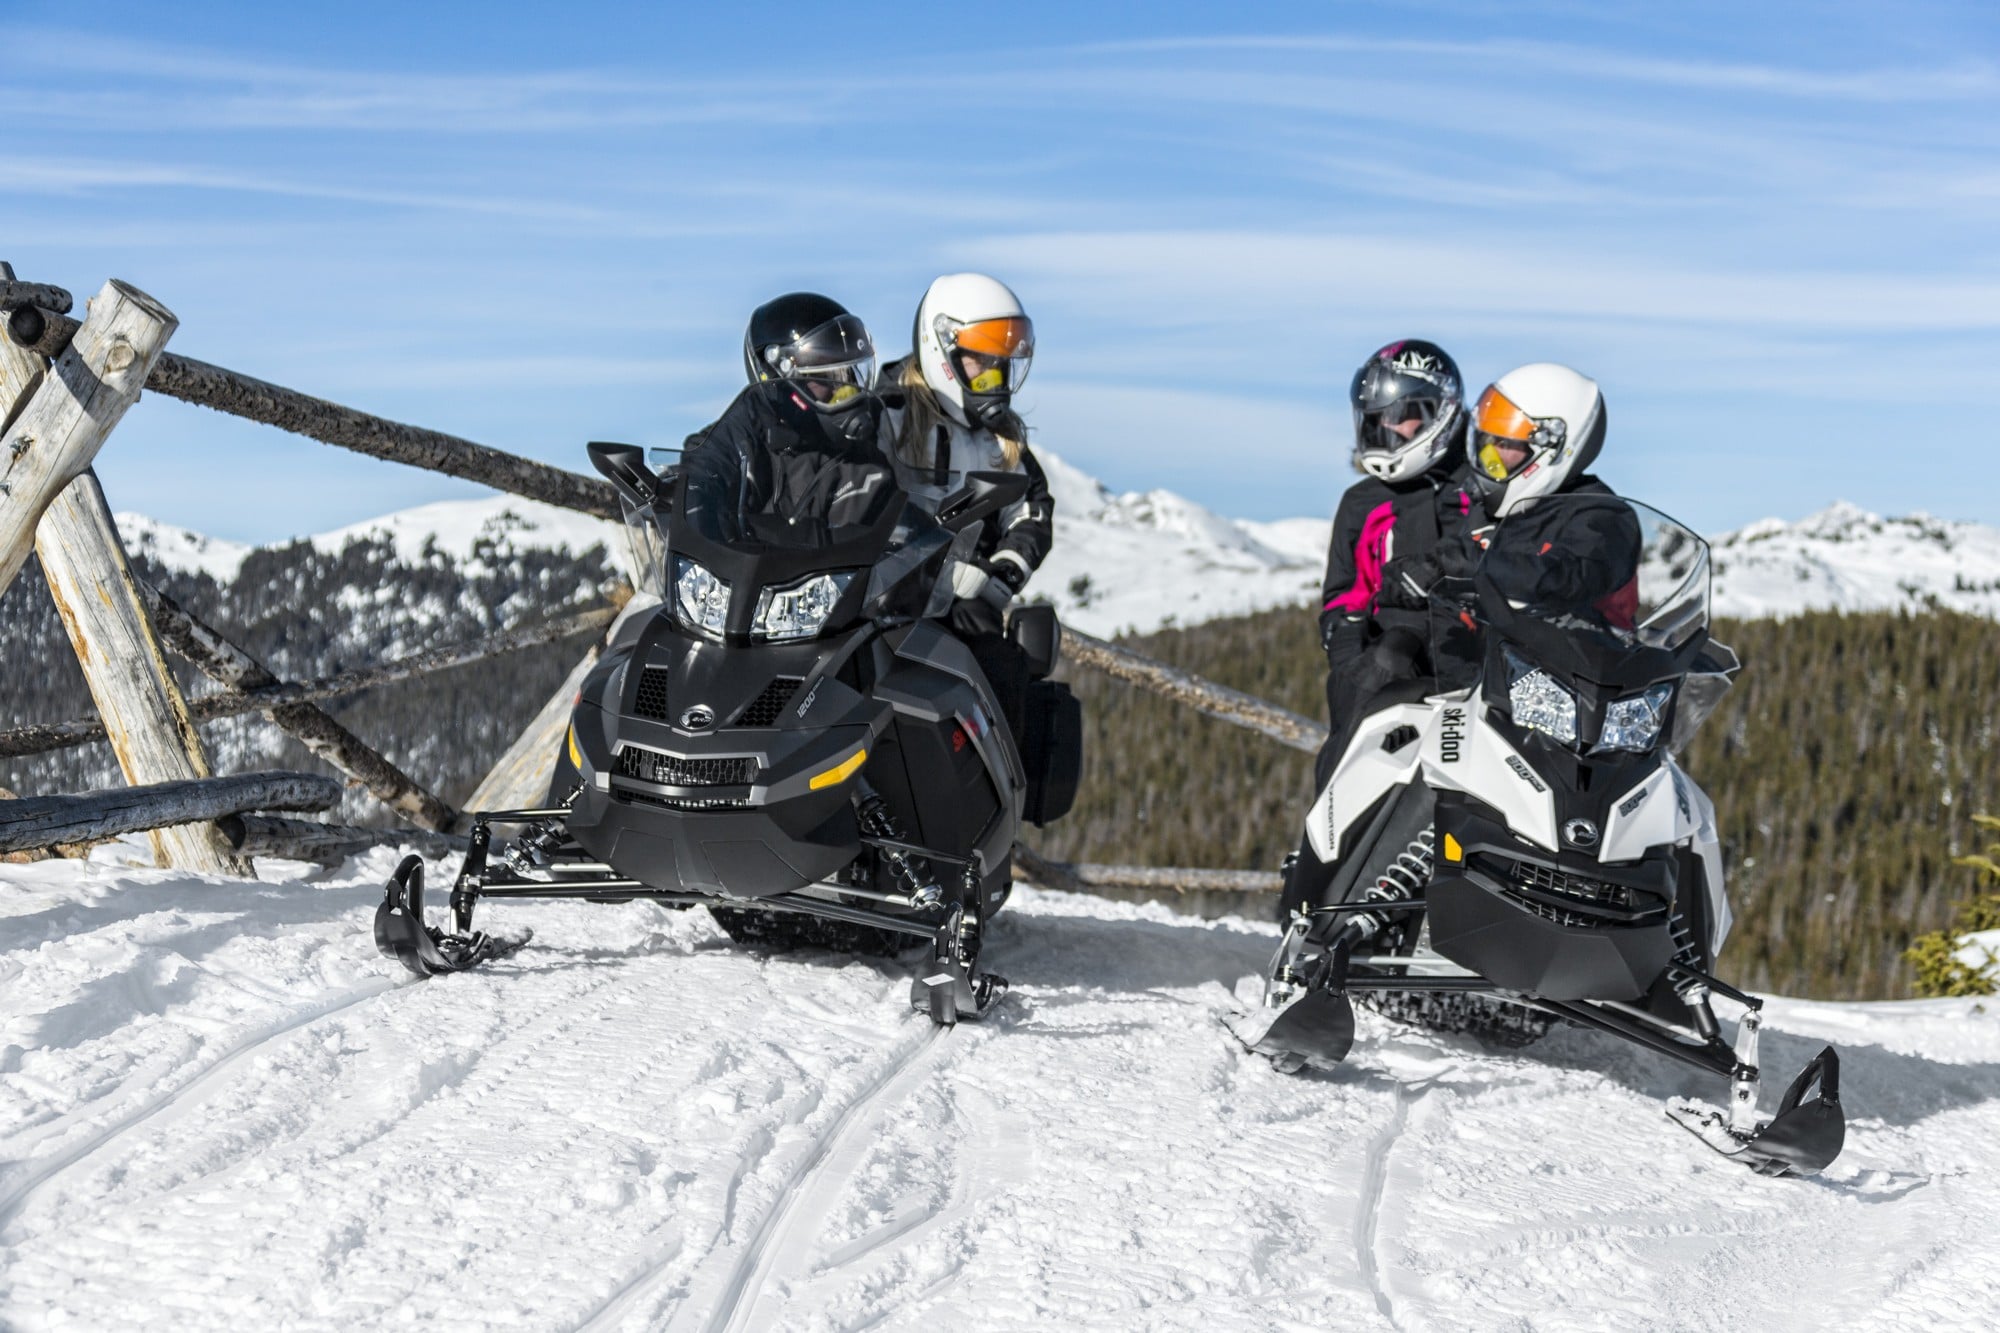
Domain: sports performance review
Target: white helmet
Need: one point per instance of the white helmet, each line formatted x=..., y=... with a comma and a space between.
x=1534, y=430
x=973, y=344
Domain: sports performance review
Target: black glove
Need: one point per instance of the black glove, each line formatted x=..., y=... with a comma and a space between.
x=1011, y=573
x=1407, y=580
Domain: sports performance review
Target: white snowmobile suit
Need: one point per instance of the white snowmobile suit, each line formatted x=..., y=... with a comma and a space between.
x=1020, y=534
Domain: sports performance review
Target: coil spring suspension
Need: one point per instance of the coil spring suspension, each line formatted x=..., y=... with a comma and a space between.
x=1406, y=876
x=1694, y=994
x=1687, y=951
x=914, y=872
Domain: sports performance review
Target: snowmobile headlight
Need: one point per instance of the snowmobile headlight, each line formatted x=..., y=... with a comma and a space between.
x=1634, y=724
x=800, y=610
x=1538, y=701
x=702, y=598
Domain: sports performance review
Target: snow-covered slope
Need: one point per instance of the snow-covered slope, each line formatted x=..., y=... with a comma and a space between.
x=1847, y=558
x=459, y=530
x=221, y=1109
x=1140, y=560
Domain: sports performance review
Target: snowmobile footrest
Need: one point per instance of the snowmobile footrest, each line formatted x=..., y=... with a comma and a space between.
x=1802, y=1138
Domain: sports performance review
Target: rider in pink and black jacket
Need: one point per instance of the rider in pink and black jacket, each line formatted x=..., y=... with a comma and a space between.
x=1404, y=525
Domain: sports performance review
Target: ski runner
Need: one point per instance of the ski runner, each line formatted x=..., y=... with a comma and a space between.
x=950, y=411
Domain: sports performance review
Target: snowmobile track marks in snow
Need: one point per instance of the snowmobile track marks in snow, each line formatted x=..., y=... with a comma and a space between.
x=62, y=1160
x=1375, y=1181
x=769, y=1242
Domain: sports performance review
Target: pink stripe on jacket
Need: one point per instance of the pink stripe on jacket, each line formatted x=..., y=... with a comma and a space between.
x=1370, y=552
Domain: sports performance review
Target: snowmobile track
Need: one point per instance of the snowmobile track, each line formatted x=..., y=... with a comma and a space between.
x=58, y=1162
x=771, y=1240
x=774, y=1243
x=1375, y=1182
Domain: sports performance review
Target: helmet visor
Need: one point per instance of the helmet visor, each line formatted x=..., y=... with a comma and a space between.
x=1393, y=426
x=1504, y=438
x=990, y=355
x=990, y=374
x=832, y=364
x=836, y=386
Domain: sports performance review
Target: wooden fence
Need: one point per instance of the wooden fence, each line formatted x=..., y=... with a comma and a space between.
x=64, y=385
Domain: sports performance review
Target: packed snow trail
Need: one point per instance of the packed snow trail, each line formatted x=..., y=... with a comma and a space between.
x=219, y=1108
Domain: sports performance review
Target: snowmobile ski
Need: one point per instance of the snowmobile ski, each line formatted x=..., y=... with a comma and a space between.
x=1802, y=1138
x=402, y=934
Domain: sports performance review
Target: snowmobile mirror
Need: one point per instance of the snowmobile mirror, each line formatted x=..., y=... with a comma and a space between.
x=625, y=466
x=984, y=493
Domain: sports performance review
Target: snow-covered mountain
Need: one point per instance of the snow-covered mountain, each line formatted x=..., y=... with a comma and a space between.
x=1849, y=559
x=1141, y=560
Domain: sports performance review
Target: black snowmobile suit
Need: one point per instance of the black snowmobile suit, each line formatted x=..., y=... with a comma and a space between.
x=1374, y=631
x=1580, y=560
x=769, y=445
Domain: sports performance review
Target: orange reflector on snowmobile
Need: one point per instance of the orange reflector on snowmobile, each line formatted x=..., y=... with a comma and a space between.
x=575, y=755
x=1452, y=851
x=840, y=772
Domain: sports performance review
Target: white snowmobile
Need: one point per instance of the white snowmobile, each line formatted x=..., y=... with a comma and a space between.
x=1526, y=850
x=790, y=739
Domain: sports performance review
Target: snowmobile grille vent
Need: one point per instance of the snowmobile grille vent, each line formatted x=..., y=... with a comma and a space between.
x=673, y=771
x=764, y=709
x=1577, y=900
x=652, y=699
x=677, y=803
x=1398, y=738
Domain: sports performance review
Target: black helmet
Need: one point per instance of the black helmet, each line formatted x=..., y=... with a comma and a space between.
x=1409, y=405
x=812, y=343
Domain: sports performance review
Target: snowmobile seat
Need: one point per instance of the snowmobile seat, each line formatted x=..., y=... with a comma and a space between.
x=1038, y=634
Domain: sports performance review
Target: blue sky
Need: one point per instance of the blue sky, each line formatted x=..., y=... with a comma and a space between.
x=1770, y=231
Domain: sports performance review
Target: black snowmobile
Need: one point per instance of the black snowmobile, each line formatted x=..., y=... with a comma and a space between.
x=791, y=739
x=1524, y=851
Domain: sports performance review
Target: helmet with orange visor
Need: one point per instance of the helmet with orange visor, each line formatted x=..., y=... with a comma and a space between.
x=974, y=345
x=1534, y=431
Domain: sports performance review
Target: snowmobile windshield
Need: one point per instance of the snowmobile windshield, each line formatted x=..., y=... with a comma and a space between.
x=782, y=549
x=1615, y=571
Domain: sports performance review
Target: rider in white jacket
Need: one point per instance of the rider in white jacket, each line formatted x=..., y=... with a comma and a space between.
x=949, y=412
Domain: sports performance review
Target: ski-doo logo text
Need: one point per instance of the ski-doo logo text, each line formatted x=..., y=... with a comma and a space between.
x=1451, y=738
x=1523, y=772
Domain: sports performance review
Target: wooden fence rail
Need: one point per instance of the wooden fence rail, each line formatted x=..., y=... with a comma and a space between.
x=46, y=821
x=239, y=395
x=45, y=737
x=1184, y=687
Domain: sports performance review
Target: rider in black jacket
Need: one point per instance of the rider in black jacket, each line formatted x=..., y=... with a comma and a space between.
x=808, y=416
x=1396, y=530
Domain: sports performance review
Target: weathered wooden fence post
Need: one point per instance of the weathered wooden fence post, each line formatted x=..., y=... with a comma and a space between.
x=50, y=502
x=521, y=777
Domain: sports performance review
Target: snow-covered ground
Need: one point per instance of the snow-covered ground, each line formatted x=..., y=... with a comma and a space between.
x=220, y=1108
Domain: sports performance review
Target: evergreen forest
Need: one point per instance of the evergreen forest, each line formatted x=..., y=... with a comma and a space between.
x=1845, y=768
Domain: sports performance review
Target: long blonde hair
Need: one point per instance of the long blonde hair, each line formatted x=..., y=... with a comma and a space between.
x=923, y=413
